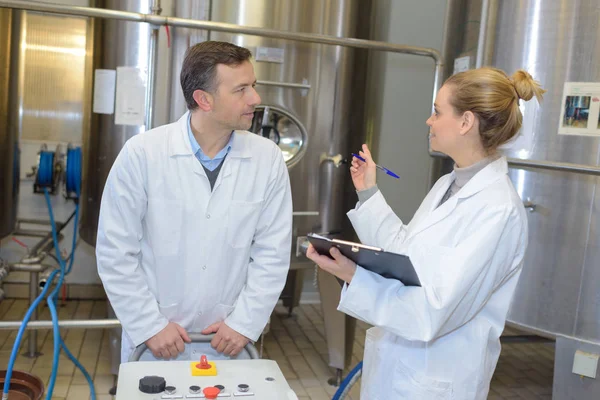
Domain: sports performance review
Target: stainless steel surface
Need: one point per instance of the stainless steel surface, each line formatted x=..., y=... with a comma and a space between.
x=487, y=28
x=196, y=338
x=9, y=149
x=152, y=64
x=557, y=42
x=284, y=84
x=121, y=44
x=567, y=385
x=65, y=324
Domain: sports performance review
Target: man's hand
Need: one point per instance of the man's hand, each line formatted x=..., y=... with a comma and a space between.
x=169, y=342
x=226, y=340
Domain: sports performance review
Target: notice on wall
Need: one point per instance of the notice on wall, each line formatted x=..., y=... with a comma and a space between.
x=130, y=103
x=462, y=64
x=270, y=54
x=104, y=91
x=580, y=109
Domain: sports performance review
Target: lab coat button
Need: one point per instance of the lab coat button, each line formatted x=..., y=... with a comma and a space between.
x=207, y=216
x=204, y=267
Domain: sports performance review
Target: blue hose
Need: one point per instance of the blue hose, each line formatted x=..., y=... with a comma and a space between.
x=45, y=171
x=73, y=173
x=58, y=341
x=17, y=345
x=347, y=381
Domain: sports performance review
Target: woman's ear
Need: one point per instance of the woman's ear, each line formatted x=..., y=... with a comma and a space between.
x=468, y=121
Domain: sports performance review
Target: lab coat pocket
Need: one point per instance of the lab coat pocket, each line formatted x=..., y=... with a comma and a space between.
x=409, y=384
x=242, y=223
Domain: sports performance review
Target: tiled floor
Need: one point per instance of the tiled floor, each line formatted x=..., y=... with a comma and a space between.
x=297, y=344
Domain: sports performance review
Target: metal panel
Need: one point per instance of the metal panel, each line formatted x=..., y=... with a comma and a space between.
x=587, y=320
x=54, y=50
x=547, y=295
x=9, y=151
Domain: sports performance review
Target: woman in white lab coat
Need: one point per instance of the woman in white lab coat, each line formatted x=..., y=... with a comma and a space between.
x=466, y=241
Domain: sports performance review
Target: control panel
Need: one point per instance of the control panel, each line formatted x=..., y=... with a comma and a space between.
x=222, y=379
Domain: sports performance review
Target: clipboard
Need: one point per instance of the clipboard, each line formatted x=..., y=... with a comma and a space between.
x=388, y=265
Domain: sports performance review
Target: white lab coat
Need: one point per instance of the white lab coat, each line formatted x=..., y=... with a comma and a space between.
x=440, y=341
x=170, y=249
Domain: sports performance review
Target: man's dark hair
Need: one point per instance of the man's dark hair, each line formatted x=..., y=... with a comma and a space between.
x=199, y=68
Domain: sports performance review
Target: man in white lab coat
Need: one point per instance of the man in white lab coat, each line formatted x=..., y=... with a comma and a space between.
x=195, y=223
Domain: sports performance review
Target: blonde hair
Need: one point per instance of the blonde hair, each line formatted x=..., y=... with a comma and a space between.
x=494, y=99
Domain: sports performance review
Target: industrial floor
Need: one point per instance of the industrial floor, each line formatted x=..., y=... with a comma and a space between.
x=524, y=371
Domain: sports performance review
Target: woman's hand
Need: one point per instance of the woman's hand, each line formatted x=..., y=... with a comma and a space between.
x=364, y=174
x=340, y=266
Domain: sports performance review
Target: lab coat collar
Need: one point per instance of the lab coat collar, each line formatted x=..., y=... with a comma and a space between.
x=179, y=143
x=480, y=181
x=490, y=174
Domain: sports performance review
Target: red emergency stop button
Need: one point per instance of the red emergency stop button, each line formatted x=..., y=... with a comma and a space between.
x=211, y=392
x=203, y=363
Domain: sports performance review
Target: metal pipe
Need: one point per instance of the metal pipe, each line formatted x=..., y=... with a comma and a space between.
x=33, y=293
x=546, y=165
x=70, y=324
x=152, y=67
x=30, y=233
x=305, y=214
x=555, y=166
x=221, y=27
x=33, y=268
x=284, y=84
x=485, y=7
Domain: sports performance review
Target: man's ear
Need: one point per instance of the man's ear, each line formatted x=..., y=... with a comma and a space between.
x=205, y=100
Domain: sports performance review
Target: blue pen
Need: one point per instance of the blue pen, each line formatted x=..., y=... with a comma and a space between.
x=387, y=171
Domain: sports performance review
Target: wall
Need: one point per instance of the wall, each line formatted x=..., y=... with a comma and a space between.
x=399, y=98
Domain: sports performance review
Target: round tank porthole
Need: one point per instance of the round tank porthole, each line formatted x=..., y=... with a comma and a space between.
x=282, y=128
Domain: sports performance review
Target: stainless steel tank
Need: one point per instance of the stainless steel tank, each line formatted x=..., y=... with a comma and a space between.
x=557, y=42
x=558, y=291
x=9, y=149
x=119, y=44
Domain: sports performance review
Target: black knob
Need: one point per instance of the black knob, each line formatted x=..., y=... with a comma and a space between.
x=220, y=387
x=170, y=389
x=152, y=384
x=194, y=389
x=242, y=387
